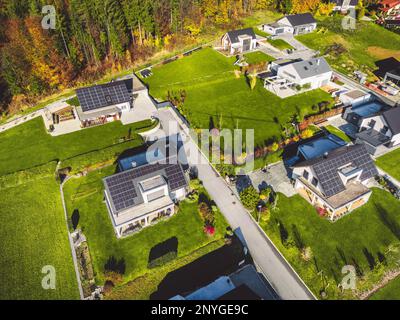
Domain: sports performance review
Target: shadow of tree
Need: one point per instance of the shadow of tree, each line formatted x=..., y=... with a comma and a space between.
x=342, y=255
x=297, y=237
x=115, y=265
x=75, y=218
x=390, y=223
x=370, y=258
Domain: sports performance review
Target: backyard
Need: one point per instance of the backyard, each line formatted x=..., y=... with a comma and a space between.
x=186, y=226
x=390, y=163
x=29, y=145
x=33, y=235
x=318, y=249
x=363, y=46
x=215, y=97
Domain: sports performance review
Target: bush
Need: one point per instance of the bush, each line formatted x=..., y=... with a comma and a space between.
x=305, y=134
x=249, y=197
x=209, y=230
x=206, y=214
x=162, y=260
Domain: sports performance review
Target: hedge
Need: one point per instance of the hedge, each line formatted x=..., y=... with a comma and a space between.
x=162, y=260
x=19, y=177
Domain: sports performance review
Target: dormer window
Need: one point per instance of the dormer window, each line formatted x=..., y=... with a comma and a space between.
x=314, y=182
x=384, y=130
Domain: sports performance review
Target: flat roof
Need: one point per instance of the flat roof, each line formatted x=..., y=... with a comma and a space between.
x=317, y=148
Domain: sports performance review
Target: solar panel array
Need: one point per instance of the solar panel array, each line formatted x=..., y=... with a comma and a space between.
x=327, y=169
x=100, y=96
x=123, y=186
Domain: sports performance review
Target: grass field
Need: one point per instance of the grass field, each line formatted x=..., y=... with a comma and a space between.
x=357, y=239
x=365, y=45
x=85, y=194
x=33, y=234
x=390, y=163
x=257, y=57
x=214, y=95
x=389, y=292
x=280, y=44
x=29, y=144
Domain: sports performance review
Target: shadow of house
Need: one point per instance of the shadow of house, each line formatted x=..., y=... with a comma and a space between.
x=386, y=65
x=200, y=272
x=163, y=252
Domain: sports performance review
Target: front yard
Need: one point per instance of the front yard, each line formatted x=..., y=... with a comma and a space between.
x=213, y=96
x=33, y=235
x=86, y=195
x=318, y=249
x=390, y=163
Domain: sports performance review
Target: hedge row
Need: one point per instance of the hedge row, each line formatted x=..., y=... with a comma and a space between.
x=19, y=177
x=162, y=260
x=98, y=157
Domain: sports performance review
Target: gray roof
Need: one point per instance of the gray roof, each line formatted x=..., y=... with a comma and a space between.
x=373, y=137
x=312, y=67
x=392, y=118
x=300, y=19
x=326, y=167
x=103, y=95
x=123, y=188
x=235, y=34
x=340, y=2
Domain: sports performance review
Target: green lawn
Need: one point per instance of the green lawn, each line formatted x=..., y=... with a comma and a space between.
x=86, y=195
x=214, y=95
x=389, y=292
x=29, y=144
x=33, y=234
x=280, y=44
x=366, y=232
x=365, y=45
x=390, y=163
x=338, y=133
x=257, y=57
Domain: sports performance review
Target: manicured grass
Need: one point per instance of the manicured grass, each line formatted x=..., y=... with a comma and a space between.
x=389, y=292
x=365, y=232
x=29, y=145
x=280, y=44
x=338, y=133
x=258, y=57
x=86, y=195
x=390, y=163
x=365, y=45
x=33, y=234
x=214, y=95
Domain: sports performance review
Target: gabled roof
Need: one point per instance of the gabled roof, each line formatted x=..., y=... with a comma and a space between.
x=300, y=19
x=312, y=67
x=326, y=167
x=392, y=118
x=235, y=34
x=123, y=188
x=103, y=95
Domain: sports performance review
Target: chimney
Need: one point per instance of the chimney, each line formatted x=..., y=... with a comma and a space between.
x=326, y=155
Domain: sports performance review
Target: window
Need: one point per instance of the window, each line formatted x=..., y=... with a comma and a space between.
x=371, y=124
x=314, y=182
x=384, y=129
x=306, y=174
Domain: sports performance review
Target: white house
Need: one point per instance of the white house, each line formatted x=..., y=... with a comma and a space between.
x=344, y=5
x=239, y=41
x=354, y=97
x=140, y=196
x=293, y=24
x=382, y=129
x=336, y=183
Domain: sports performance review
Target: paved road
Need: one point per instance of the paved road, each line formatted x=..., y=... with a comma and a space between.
x=277, y=271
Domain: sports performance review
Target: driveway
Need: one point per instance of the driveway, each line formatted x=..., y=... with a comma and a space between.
x=278, y=272
x=275, y=176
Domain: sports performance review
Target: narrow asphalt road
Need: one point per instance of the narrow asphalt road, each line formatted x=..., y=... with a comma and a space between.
x=278, y=272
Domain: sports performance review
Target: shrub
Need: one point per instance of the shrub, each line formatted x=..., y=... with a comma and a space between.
x=209, y=230
x=249, y=197
x=306, y=254
x=274, y=147
x=206, y=213
x=305, y=134
x=162, y=260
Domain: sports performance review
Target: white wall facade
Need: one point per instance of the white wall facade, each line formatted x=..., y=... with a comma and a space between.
x=289, y=72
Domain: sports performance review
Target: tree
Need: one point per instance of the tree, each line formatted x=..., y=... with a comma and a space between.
x=252, y=80
x=249, y=197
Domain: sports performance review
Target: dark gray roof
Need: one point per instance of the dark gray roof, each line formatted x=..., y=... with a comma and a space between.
x=123, y=188
x=300, y=19
x=234, y=35
x=392, y=118
x=326, y=167
x=312, y=67
x=340, y=2
x=103, y=95
x=373, y=137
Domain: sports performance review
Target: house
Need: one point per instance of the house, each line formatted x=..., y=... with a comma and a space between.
x=148, y=185
x=336, y=182
x=390, y=9
x=393, y=76
x=354, y=97
x=103, y=103
x=239, y=41
x=243, y=284
x=380, y=130
x=292, y=24
x=344, y=5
